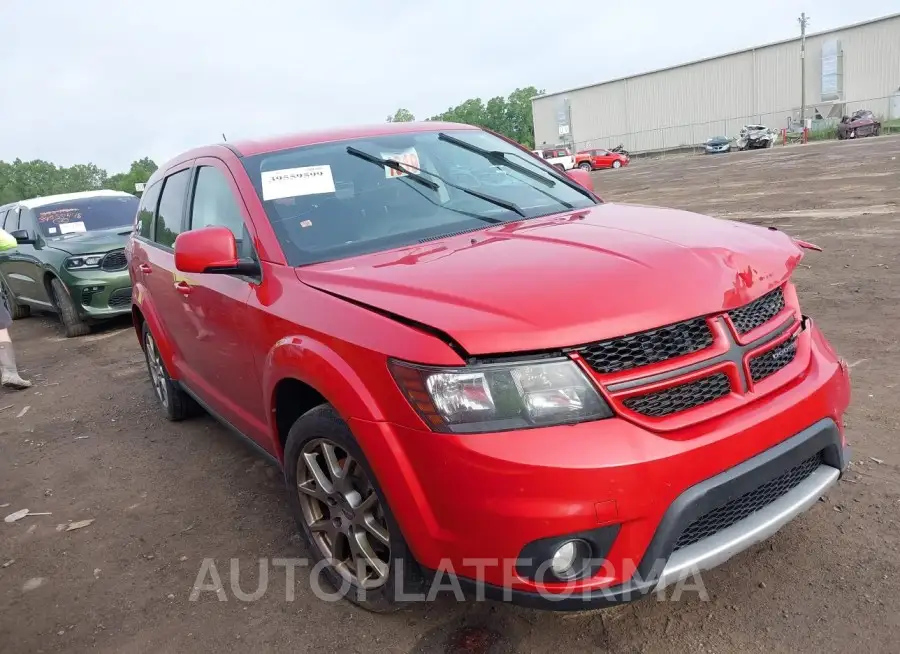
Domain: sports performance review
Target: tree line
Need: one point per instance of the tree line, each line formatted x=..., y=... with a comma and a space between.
x=510, y=116
x=22, y=180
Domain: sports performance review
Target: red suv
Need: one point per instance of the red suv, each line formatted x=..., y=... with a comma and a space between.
x=465, y=362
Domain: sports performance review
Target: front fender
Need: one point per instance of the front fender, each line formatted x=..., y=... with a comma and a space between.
x=316, y=364
x=144, y=304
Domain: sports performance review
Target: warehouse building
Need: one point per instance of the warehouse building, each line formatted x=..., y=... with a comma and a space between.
x=854, y=67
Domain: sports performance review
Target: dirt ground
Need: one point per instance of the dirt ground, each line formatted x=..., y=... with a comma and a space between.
x=163, y=497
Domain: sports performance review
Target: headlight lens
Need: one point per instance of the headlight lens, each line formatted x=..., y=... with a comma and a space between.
x=499, y=397
x=84, y=262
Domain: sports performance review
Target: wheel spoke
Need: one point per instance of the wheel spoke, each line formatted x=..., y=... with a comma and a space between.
x=364, y=557
x=368, y=504
x=312, y=464
x=331, y=461
x=311, y=488
x=378, y=531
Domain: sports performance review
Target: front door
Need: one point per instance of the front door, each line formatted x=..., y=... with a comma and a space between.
x=21, y=267
x=216, y=318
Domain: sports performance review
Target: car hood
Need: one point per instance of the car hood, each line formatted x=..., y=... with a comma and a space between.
x=96, y=242
x=719, y=141
x=567, y=279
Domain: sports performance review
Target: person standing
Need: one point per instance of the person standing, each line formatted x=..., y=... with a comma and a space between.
x=9, y=374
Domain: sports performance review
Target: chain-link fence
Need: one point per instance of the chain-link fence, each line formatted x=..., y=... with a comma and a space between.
x=693, y=136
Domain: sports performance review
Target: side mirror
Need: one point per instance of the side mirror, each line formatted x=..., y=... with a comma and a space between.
x=22, y=237
x=582, y=178
x=211, y=250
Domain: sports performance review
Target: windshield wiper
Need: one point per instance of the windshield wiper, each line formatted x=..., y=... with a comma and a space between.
x=499, y=158
x=393, y=165
x=405, y=169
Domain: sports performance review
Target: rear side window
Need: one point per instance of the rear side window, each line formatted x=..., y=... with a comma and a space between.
x=171, y=208
x=147, y=210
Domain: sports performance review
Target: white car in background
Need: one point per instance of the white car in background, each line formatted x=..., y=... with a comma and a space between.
x=557, y=156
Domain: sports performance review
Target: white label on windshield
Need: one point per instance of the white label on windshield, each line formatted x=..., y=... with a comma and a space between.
x=52, y=230
x=408, y=156
x=294, y=182
x=72, y=228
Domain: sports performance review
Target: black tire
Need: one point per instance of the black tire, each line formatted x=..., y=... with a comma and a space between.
x=176, y=404
x=68, y=314
x=16, y=311
x=324, y=424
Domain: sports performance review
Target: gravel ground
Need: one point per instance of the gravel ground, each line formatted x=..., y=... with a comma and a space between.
x=164, y=497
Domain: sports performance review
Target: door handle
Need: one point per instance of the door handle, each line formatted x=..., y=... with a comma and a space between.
x=146, y=269
x=183, y=287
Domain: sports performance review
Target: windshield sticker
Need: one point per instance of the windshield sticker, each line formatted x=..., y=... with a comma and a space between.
x=294, y=182
x=409, y=157
x=59, y=216
x=72, y=228
x=52, y=230
x=306, y=223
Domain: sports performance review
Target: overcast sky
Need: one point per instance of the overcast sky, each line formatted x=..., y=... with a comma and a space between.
x=109, y=81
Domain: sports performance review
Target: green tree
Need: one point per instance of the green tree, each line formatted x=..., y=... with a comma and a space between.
x=21, y=180
x=510, y=116
x=401, y=116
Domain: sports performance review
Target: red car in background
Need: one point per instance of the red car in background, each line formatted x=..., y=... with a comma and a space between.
x=596, y=159
x=466, y=361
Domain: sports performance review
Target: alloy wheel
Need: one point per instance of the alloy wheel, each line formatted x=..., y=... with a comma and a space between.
x=343, y=513
x=157, y=371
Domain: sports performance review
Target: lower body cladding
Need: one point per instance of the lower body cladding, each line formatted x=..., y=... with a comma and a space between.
x=599, y=513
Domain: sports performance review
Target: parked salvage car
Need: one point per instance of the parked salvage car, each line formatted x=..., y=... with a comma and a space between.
x=596, y=159
x=718, y=145
x=421, y=347
x=861, y=123
x=559, y=157
x=756, y=137
x=70, y=257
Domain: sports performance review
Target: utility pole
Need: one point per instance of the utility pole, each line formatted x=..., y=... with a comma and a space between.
x=804, y=21
x=571, y=131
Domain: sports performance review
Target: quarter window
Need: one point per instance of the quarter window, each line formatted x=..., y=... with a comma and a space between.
x=171, y=208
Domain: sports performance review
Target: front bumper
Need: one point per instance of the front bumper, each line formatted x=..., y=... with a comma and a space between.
x=715, y=149
x=469, y=504
x=100, y=295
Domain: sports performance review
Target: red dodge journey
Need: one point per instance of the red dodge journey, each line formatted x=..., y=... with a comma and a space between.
x=473, y=370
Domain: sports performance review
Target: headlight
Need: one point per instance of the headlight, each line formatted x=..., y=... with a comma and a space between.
x=84, y=262
x=499, y=397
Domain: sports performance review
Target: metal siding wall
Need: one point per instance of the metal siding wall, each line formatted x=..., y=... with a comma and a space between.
x=688, y=104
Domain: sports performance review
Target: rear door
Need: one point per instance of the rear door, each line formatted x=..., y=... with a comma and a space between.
x=154, y=258
x=219, y=367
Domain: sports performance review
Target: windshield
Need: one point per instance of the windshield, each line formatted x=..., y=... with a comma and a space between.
x=326, y=203
x=86, y=215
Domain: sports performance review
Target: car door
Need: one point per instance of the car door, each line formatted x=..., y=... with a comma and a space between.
x=215, y=317
x=603, y=159
x=21, y=266
x=153, y=258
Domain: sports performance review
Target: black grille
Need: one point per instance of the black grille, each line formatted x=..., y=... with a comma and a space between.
x=121, y=297
x=758, y=312
x=114, y=261
x=680, y=398
x=648, y=347
x=770, y=362
x=739, y=508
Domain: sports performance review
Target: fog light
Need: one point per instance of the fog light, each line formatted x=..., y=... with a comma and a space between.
x=570, y=559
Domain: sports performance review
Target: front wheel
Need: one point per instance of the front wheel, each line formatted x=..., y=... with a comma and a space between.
x=68, y=314
x=616, y=164
x=585, y=166
x=561, y=168
x=342, y=513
